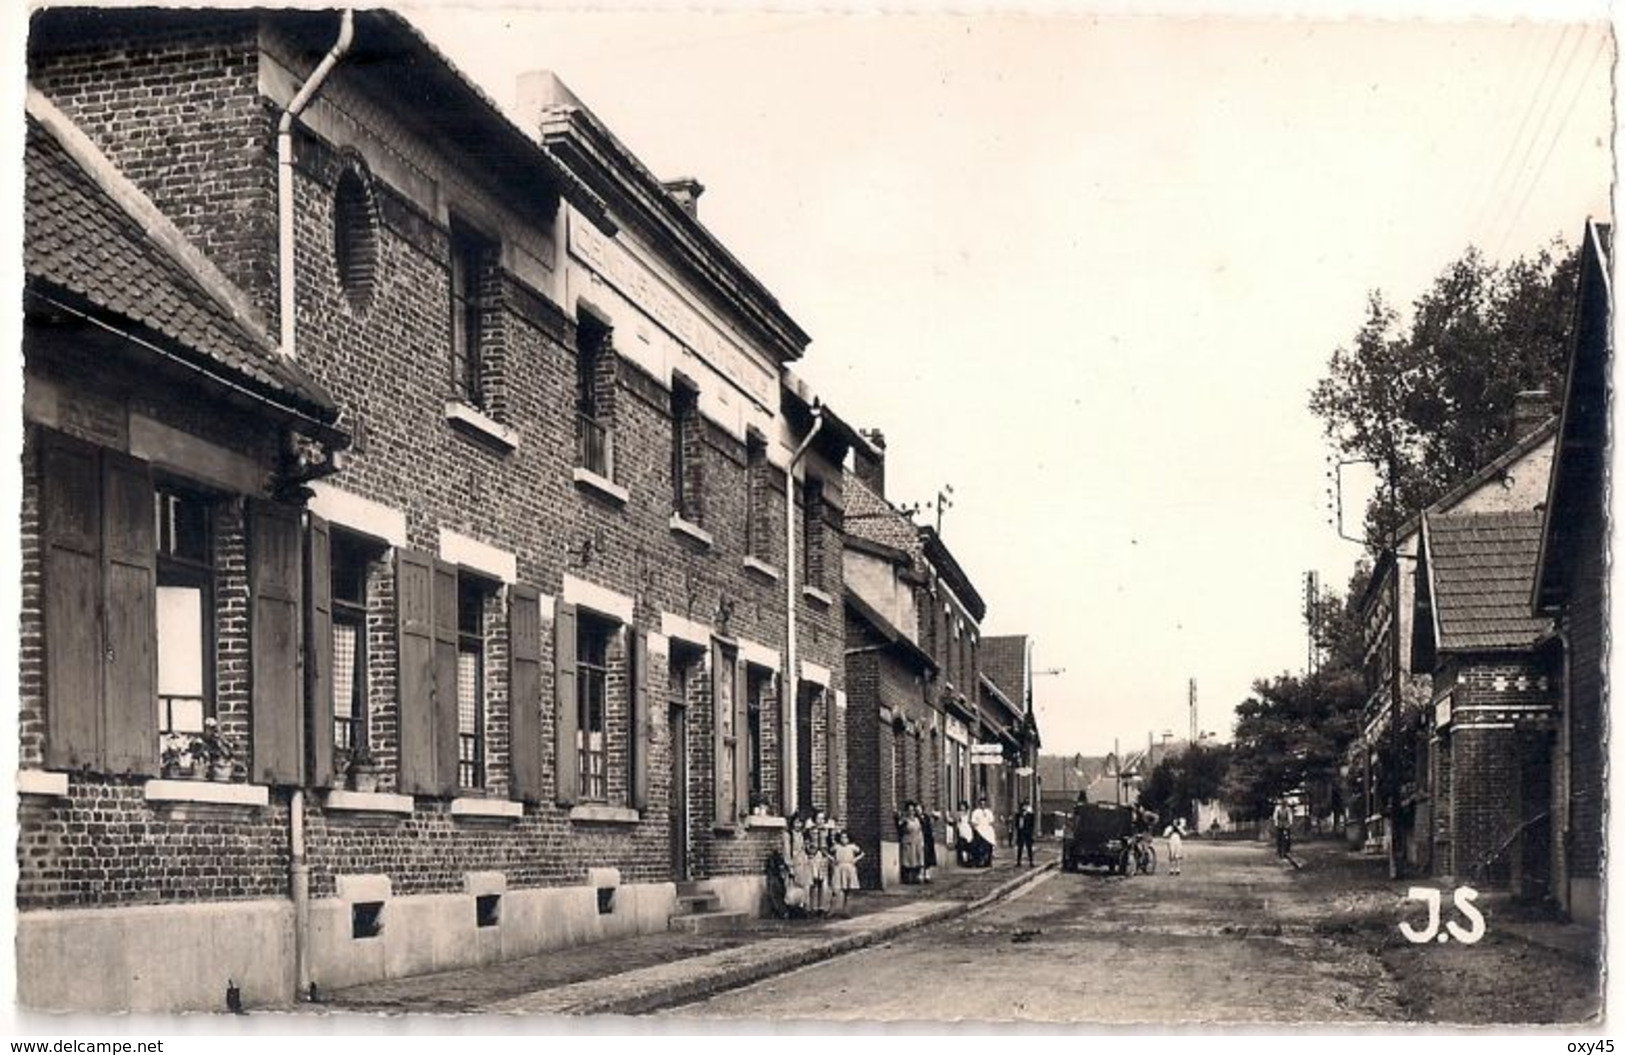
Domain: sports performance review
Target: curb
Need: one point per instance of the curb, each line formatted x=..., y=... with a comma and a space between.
x=706, y=986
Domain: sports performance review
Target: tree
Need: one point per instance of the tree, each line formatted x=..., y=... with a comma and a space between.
x=1432, y=400
x=1291, y=737
x=1196, y=774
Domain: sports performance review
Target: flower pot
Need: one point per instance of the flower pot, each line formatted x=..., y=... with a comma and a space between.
x=221, y=771
x=364, y=779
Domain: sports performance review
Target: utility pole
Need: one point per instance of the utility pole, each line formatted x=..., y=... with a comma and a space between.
x=1311, y=617
x=1194, y=727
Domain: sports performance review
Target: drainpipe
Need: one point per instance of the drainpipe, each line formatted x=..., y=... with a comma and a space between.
x=284, y=179
x=792, y=679
x=299, y=889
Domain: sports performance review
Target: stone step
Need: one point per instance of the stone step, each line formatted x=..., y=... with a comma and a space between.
x=709, y=922
x=692, y=904
x=693, y=886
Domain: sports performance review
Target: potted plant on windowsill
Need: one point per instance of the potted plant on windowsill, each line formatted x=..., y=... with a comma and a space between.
x=178, y=755
x=218, y=753
x=363, y=771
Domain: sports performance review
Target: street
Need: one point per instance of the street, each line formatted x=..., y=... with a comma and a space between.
x=1239, y=937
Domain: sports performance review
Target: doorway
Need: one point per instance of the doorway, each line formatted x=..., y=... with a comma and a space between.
x=804, y=748
x=677, y=736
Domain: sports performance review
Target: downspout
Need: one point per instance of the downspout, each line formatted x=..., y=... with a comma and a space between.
x=298, y=867
x=792, y=679
x=284, y=180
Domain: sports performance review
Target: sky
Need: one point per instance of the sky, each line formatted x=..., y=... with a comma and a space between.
x=1085, y=269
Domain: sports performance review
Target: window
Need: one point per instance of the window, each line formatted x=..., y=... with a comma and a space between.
x=487, y=910
x=757, y=682
x=687, y=454
x=366, y=919
x=592, y=701
x=185, y=605
x=474, y=276
x=471, y=596
x=355, y=233
x=758, y=521
x=595, y=396
x=350, y=563
x=812, y=533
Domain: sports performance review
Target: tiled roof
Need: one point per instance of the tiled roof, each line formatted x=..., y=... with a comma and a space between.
x=871, y=517
x=79, y=240
x=1004, y=661
x=1481, y=568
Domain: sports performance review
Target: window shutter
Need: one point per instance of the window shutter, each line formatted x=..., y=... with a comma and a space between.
x=71, y=526
x=414, y=599
x=525, y=693
x=319, y=651
x=741, y=738
x=566, y=718
x=273, y=582
x=721, y=808
x=639, y=745
x=832, y=754
x=445, y=678
x=130, y=557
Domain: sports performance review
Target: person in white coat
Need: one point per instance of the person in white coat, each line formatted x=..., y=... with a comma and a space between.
x=1175, y=834
x=981, y=823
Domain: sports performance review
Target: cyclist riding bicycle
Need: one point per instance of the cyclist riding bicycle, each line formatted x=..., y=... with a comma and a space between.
x=1283, y=829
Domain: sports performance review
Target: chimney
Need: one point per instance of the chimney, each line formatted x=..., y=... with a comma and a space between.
x=1530, y=410
x=686, y=190
x=871, y=468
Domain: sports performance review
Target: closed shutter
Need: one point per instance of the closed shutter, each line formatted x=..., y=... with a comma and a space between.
x=414, y=598
x=71, y=528
x=566, y=719
x=130, y=676
x=445, y=678
x=741, y=737
x=832, y=755
x=525, y=693
x=274, y=572
x=319, y=652
x=639, y=745
x=721, y=678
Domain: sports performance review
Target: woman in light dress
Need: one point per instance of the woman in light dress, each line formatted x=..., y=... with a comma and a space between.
x=911, y=843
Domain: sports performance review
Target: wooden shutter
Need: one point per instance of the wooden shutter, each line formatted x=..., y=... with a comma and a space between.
x=639, y=743
x=414, y=599
x=832, y=755
x=721, y=807
x=319, y=652
x=274, y=571
x=71, y=529
x=566, y=716
x=445, y=678
x=130, y=557
x=741, y=737
x=525, y=693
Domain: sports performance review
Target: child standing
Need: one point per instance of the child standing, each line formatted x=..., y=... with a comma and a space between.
x=847, y=857
x=1176, y=845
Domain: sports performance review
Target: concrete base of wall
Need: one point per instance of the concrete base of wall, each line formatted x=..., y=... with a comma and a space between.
x=423, y=933
x=739, y=893
x=1585, y=901
x=891, y=868
x=156, y=958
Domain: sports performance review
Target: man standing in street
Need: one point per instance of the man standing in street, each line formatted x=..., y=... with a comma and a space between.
x=1026, y=821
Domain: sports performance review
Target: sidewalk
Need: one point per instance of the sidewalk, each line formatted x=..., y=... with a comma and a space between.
x=654, y=971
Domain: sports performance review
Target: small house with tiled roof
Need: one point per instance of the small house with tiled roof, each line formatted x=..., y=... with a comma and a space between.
x=1495, y=691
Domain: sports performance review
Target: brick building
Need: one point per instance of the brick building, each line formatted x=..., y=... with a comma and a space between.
x=1571, y=588
x=521, y=662
x=1007, y=719
x=913, y=670
x=1515, y=481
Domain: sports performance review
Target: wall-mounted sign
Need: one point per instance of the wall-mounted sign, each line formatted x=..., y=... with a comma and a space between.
x=1441, y=713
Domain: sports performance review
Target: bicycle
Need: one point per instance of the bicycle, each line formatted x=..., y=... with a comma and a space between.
x=1145, y=855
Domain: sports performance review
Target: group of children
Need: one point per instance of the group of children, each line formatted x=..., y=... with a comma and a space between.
x=822, y=861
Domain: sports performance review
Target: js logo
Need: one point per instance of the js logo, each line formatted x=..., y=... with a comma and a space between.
x=1463, y=897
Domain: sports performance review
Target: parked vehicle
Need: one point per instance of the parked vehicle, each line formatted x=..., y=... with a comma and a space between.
x=1098, y=835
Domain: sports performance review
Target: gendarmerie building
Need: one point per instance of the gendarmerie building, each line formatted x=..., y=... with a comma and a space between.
x=410, y=580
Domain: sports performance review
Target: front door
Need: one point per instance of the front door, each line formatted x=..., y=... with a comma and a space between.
x=677, y=732
x=804, y=747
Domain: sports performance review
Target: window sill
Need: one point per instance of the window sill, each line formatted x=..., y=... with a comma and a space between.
x=206, y=791
x=488, y=809
x=817, y=596
x=368, y=802
x=762, y=568
x=42, y=782
x=679, y=526
x=597, y=813
x=481, y=426
x=761, y=820
x=591, y=481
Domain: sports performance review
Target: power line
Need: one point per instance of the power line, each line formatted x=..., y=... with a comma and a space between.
x=1486, y=198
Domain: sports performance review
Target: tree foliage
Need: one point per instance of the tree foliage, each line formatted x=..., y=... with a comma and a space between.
x=1433, y=396
x=1194, y=775
x=1291, y=736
